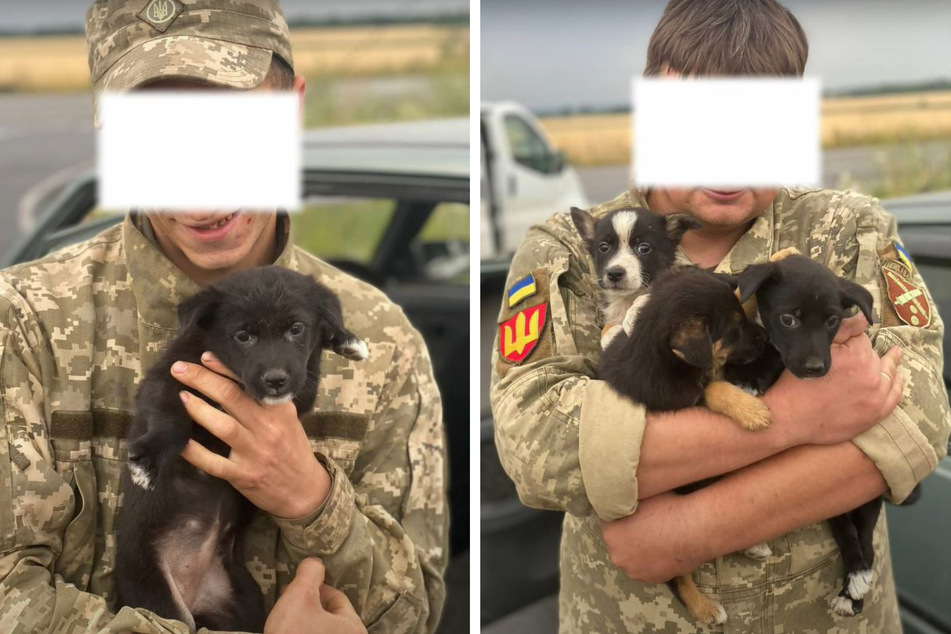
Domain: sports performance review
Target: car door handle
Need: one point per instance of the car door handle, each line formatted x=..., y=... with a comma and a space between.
x=513, y=185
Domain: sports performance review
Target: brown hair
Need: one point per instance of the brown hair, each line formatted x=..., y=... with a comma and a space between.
x=280, y=76
x=727, y=37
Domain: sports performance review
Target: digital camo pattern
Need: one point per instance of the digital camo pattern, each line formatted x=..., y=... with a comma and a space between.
x=80, y=327
x=222, y=42
x=547, y=410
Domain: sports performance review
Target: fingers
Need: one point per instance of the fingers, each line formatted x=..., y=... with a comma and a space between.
x=894, y=395
x=336, y=602
x=209, y=462
x=219, y=389
x=889, y=364
x=851, y=327
x=212, y=362
x=311, y=571
x=223, y=426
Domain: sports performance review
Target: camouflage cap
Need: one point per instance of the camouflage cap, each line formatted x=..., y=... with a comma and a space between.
x=226, y=43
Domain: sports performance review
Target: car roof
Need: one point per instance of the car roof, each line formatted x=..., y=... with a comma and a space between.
x=432, y=148
x=921, y=209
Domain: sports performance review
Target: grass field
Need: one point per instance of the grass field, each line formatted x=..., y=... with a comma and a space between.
x=846, y=121
x=53, y=64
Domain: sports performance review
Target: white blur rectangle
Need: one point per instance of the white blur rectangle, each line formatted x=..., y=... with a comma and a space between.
x=196, y=151
x=747, y=132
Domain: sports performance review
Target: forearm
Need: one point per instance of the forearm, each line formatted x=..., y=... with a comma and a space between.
x=33, y=600
x=690, y=445
x=387, y=571
x=799, y=487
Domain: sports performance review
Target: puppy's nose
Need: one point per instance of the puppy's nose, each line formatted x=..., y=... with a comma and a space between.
x=275, y=378
x=615, y=274
x=814, y=366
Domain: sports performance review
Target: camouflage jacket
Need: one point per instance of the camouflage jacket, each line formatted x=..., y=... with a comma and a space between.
x=572, y=444
x=80, y=328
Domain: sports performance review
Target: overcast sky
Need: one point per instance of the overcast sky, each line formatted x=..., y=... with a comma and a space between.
x=549, y=54
x=33, y=14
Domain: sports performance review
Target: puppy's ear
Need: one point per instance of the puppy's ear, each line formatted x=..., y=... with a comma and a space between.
x=584, y=223
x=679, y=224
x=331, y=331
x=732, y=280
x=691, y=342
x=855, y=295
x=753, y=277
x=199, y=309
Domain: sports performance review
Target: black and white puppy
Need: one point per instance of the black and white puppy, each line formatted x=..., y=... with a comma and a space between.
x=630, y=248
x=180, y=535
x=802, y=304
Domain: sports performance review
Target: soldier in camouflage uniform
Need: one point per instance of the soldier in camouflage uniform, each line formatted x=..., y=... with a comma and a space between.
x=80, y=328
x=571, y=444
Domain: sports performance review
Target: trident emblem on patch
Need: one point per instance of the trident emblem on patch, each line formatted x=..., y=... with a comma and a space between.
x=519, y=335
x=161, y=13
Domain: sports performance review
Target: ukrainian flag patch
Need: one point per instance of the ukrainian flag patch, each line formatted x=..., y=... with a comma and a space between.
x=903, y=256
x=521, y=289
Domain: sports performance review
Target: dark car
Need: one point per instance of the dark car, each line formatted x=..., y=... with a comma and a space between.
x=520, y=545
x=390, y=205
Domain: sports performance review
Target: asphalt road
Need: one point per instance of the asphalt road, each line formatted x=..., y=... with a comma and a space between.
x=40, y=135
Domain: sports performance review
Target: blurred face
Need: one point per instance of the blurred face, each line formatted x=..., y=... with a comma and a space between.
x=715, y=207
x=207, y=245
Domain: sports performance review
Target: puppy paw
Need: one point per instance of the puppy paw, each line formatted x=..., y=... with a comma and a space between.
x=608, y=334
x=842, y=606
x=754, y=415
x=708, y=612
x=354, y=349
x=142, y=468
x=759, y=551
x=149, y=455
x=782, y=254
x=859, y=583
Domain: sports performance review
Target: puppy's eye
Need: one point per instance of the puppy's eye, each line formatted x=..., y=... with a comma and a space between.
x=604, y=247
x=243, y=336
x=644, y=248
x=832, y=322
x=788, y=320
x=296, y=329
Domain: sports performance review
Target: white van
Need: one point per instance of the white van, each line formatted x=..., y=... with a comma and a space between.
x=524, y=179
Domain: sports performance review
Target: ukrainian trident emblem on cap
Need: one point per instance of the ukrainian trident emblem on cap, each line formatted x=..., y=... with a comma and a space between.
x=160, y=14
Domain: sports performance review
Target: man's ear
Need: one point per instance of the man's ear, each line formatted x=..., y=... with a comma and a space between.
x=584, y=223
x=199, y=310
x=855, y=295
x=753, y=277
x=679, y=224
x=691, y=342
x=332, y=335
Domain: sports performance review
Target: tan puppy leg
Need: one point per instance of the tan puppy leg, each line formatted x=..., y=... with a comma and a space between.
x=700, y=607
x=727, y=399
x=783, y=254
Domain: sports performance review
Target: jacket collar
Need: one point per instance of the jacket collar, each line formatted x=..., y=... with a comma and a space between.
x=158, y=285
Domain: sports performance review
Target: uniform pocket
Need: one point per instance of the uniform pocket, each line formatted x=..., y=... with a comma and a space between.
x=76, y=561
x=400, y=616
x=337, y=435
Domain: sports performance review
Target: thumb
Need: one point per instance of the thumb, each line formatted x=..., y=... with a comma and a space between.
x=851, y=327
x=336, y=602
x=310, y=572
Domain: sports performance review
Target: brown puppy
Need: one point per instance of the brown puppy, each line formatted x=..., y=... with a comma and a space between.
x=691, y=326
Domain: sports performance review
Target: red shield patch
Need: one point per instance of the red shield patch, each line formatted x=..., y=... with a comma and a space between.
x=519, y=335
x=908, y=299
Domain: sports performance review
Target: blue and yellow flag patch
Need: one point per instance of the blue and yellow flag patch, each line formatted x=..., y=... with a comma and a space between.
x=521, y=289
x=903, y=256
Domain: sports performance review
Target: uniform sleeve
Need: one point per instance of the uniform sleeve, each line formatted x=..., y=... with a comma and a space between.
x=567, y=440
x=907, y=445
x=384, y=536
x=37, y=505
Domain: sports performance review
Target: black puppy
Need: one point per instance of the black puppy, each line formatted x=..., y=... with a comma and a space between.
x=802, y=304
x=691, y=326
x=179, y=543
x=630, y=248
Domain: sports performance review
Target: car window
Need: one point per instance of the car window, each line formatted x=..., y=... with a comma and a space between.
x=442, y=245
x=938, y=279
x=528, y=148
x=342, y=228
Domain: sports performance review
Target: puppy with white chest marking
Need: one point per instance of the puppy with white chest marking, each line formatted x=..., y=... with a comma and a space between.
x=630, y=248
x=179, y=546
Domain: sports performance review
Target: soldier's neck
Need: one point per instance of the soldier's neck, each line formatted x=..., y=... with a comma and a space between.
x=706, y=247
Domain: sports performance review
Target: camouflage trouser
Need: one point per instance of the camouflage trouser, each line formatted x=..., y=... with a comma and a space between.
x=788, y=593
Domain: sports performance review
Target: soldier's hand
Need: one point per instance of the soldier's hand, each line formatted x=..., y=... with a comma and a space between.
x=308, y=605
x=860, y=390
x=271, y=461
x=646, y=546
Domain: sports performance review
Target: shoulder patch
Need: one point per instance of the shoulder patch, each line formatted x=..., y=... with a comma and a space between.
x=907, y=298
x=519, y=336
x=521, y=289
x=903, y=255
